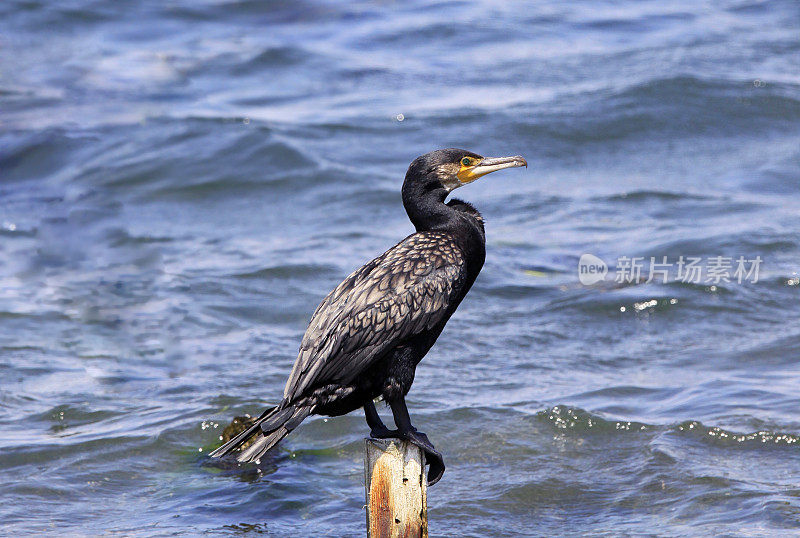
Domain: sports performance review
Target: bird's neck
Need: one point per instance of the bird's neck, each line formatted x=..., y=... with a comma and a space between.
x=426, y=208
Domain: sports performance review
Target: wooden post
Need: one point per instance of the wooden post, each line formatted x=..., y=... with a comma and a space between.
x=396, y=488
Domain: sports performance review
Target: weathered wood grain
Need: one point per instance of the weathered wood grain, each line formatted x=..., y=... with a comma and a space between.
x=396, y=489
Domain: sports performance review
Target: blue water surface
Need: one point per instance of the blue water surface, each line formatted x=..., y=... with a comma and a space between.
x=182, y=182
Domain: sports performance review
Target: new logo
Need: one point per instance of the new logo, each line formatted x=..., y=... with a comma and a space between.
x=591, y=269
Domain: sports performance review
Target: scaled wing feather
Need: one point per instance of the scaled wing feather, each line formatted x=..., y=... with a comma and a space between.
x=400, y=293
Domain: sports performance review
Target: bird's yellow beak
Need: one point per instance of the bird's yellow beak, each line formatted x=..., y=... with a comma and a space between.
x=487, y=165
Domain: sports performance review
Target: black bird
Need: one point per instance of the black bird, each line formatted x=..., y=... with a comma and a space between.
x=367, y=336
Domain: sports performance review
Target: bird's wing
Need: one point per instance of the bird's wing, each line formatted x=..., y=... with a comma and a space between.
x=400, y=293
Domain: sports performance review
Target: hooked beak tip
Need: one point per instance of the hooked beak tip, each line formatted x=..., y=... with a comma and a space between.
x=505, y=162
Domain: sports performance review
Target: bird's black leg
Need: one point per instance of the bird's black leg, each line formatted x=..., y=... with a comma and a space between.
x=408, y=432
x=378, y=429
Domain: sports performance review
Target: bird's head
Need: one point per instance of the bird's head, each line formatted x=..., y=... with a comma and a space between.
x=451, y=168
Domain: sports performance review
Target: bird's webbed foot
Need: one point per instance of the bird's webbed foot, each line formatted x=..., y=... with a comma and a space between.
x=432, y=456
x=408, y=432
x=382, y=432
x=378, y=429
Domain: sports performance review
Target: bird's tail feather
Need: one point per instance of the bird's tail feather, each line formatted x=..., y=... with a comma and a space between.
x=273, y=425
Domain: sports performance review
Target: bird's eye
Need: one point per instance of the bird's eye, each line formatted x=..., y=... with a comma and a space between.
x=466, y=161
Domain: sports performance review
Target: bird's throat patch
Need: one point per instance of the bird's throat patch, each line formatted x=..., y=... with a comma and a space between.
x=448, y=176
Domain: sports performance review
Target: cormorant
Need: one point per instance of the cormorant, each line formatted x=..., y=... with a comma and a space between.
x=367, y=336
